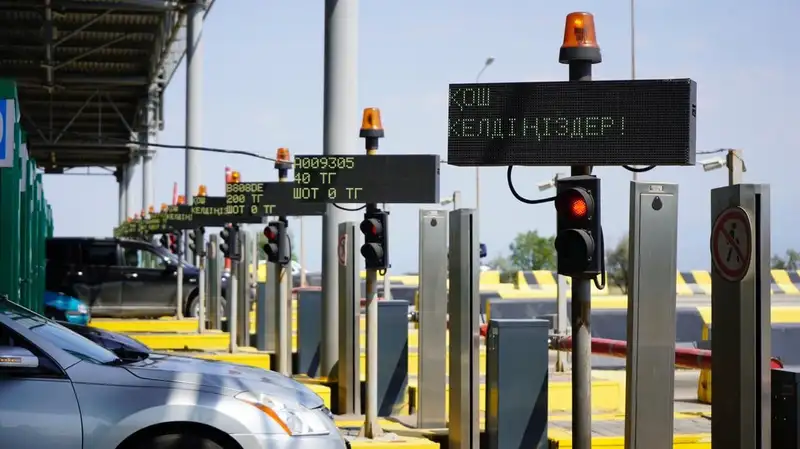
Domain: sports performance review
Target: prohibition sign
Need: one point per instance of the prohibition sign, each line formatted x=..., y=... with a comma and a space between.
x=342, y=250
x=731, y=244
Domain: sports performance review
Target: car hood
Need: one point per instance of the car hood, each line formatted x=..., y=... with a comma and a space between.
x=211, y=373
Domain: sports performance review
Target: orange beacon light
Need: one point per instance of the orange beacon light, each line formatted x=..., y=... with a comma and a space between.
x=371, y=126
x=580, y=39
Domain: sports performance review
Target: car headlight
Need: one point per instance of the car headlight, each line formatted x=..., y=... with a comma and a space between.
x=295, y=420
x=83, y=309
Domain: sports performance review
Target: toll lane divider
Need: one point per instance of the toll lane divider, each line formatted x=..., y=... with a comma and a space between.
x=785, y=337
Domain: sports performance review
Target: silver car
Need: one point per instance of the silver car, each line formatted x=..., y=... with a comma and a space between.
x=59, y=390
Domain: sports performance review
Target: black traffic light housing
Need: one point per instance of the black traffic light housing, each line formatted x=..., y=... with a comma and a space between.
x=164, y=241
x=579, y=236
x=197, y=240
x=375, y=249
x=277, y=247
x=175, y=242
x=230, y=241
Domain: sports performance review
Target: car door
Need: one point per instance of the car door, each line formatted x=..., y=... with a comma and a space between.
x=102, y=288
x=38, y=408
x=150, y=282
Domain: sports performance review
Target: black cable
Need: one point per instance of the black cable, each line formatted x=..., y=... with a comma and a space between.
x=638, y=170
x=347, y=209
x=518, y=196
x=602, y=284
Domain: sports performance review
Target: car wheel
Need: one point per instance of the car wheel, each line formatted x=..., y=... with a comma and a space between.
x=180, y=441
x=194, y=308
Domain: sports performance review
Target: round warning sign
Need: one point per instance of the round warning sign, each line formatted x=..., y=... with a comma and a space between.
x=342, y=250
x=731, y=244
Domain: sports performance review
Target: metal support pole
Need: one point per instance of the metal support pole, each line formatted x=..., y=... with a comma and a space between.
x=650, y=366
x=348, y=374
x=179, y=280
x=233, y=291
x=302, y=253
x=372, y=428
x=122, y=197
x=194, y=94
x=283, y=298
x=581, y=70
x=463, y=306
x=740, y=317
x=735, y=164
x=214, y=285
x=201, y=295
x=148, y=136
x=130, y=169
x=387, y=283
x=562, y=320
x=243, y=294
x=432, y=369
x=340, y=118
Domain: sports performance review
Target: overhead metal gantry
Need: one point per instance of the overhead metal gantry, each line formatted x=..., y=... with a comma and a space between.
x=91, y=76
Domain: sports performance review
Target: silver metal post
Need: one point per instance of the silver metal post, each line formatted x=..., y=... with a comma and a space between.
x=283, y=328
x=562, y=319
x=650, y=365
x=233, y=292
x=456, y=200
x=147, y=137
x=463, y=308
x=372, y=428
x=271, y=299
x=194, y=95
x=432, y=349
x=130, y=170
x=179, y=280
x=740, y=317
x=735, y=164
x=348, y=373
x=302, y=255
x=243, y=329
x=122, y=196
x=340, y=118
x=387, y=283
x=201, y=295
x=214, y=278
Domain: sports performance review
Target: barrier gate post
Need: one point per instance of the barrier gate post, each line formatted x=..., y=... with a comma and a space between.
x=463, y=306
x=243, y=308
x=740, y=313
x=432, y=349
x=650, y=367
x=270, y=311
x=349, y=371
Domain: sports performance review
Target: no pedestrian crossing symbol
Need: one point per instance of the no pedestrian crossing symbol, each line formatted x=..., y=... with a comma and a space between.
x=731, y=244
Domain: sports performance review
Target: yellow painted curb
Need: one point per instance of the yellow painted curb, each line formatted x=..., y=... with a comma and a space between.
x=210, y=341
x=133, y=326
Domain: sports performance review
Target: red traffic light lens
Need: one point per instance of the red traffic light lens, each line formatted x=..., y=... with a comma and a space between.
x=371, y=226
x=575, y=204
x=270, y=233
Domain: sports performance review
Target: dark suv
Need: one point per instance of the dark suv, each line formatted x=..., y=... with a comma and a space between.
x=120, y=278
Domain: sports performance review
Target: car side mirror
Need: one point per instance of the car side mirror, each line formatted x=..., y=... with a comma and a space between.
x=12, y=357
x=170, y=268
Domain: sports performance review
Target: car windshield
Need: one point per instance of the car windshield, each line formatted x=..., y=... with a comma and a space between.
x=58, y=335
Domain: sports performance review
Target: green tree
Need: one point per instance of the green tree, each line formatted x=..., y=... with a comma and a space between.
x=791, y=261
x=504, y=266
x=617, y=265
x=530, y=251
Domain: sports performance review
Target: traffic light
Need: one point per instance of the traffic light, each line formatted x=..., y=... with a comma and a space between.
x=230, y=241
x=376, y=242
x=196, y=240
x=277, y=246
x=164, y=240
x=579, y=233
x=175, y=242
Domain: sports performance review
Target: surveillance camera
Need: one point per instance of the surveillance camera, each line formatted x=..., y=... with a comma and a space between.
x=712, y=164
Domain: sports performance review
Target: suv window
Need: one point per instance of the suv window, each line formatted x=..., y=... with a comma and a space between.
x=63, y=252
x=138, y=256
x=100, y=254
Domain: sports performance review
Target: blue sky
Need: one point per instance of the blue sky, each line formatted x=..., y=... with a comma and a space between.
x=263, y=81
